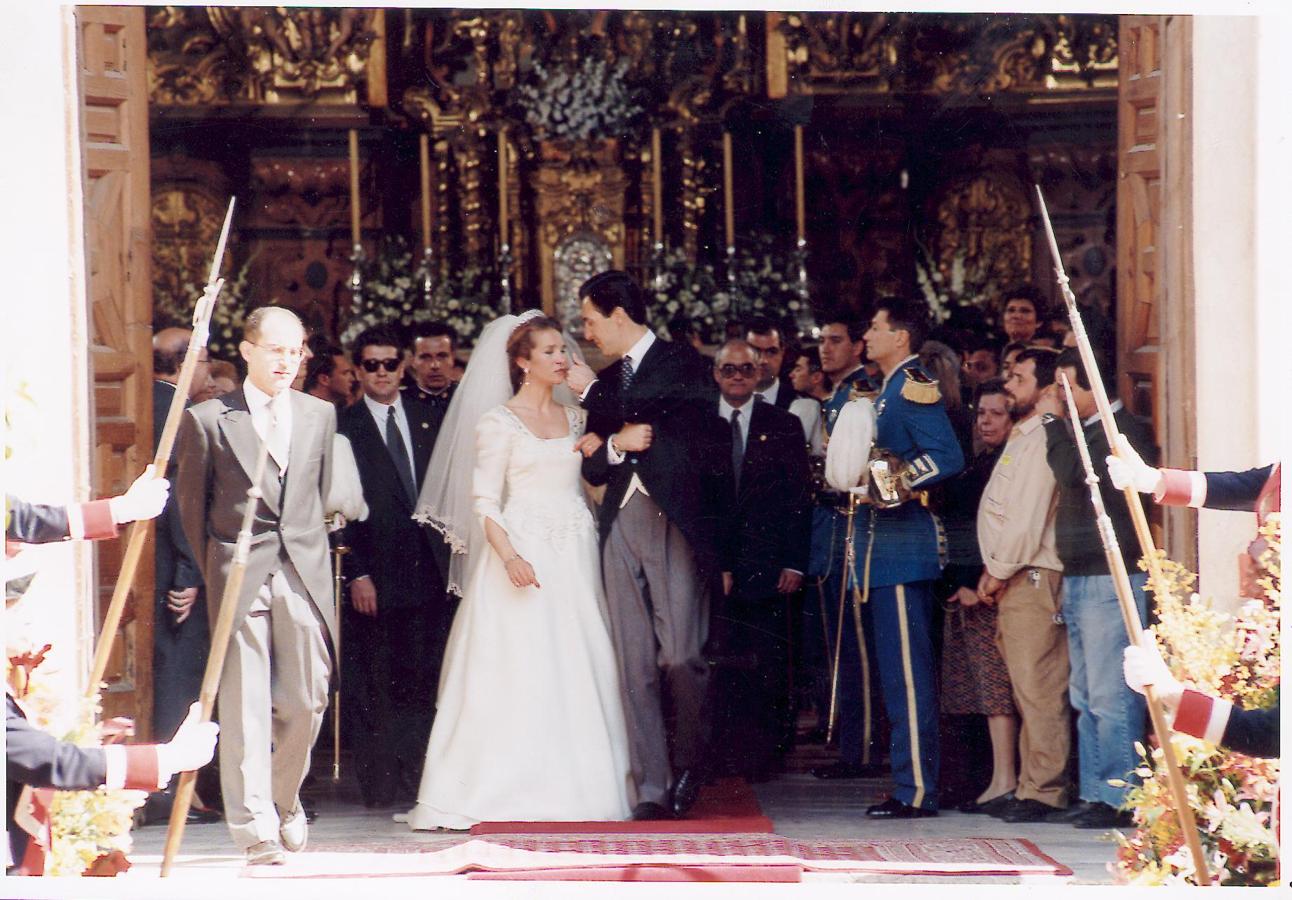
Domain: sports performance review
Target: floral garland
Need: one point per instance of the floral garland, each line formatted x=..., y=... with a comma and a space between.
x=591, y=100
x=226, y=319
x=1232, y=795
x=392, y=293
x=89, y=830
x=701, y=291
x=967, y=284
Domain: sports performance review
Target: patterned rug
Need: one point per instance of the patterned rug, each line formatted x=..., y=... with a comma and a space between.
x=728, y=806
x=531, y=856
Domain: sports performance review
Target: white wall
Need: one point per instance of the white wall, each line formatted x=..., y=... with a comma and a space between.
x=43, y=317
x=1240, y=266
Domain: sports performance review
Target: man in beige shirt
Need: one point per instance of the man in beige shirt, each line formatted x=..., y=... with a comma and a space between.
x=1022, y=575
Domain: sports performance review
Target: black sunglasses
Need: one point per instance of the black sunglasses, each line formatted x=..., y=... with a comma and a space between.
x=372, y=365
x=729, y=370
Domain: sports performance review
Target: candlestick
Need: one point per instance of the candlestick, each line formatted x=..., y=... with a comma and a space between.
x=657, y=201
x=727, y=193
x=424, y=154
x=799, y=208
x=354, y=186
x=502, y=186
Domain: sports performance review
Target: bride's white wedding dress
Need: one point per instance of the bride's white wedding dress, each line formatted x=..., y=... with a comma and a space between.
x=529, y=724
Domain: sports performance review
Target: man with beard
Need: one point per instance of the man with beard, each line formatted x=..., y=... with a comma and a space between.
x=1023, y=575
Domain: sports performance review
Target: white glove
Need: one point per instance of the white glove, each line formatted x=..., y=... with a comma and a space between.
x=1126, y=468
x=142, y=500
x=192, y=746
x=1143, y=666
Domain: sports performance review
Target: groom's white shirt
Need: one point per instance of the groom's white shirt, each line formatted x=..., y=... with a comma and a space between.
x=636, y=354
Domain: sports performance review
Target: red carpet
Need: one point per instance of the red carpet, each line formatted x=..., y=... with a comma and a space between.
x=726, y=807
x=782, y=874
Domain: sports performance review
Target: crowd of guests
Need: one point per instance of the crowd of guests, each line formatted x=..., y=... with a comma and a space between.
x=1020, y=632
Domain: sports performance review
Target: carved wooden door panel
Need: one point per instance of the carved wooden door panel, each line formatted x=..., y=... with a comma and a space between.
x=113, y=94
x=1139, y=213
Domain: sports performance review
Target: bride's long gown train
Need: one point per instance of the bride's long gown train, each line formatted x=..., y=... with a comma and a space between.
x=529, y=724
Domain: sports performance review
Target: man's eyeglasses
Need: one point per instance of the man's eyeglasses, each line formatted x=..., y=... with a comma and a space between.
x=372, y=365
x=277, y=350
x=730, y=370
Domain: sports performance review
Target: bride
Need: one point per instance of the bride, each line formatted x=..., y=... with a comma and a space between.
x=529, y=723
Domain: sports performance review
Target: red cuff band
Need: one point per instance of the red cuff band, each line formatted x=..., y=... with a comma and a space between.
x=98, y=520
x=1193, y=714
x=1177, y=488
x=141, y=767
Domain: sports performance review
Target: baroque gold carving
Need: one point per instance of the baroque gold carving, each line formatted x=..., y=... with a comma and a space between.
x=308, y=192
x=259, y=55
x=186, y=219
x=987, y=218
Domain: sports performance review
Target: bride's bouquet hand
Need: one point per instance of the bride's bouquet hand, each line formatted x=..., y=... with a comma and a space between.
x=589, y=444
x=521, y=573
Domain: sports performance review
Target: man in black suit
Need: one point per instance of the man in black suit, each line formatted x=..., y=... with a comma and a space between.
x=764, y=336
x=433, y=348
x=398, y=617
x=665, y=528
x=773, y=493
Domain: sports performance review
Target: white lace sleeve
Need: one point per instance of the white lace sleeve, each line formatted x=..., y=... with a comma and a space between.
x=578, y=421
x=494, y=434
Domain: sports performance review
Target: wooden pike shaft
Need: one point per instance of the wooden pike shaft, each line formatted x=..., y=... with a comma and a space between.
x=1134, y=631
x=219, y=648
x=139, y=530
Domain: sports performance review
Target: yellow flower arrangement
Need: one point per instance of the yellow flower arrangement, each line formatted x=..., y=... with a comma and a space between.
x=1232, y=795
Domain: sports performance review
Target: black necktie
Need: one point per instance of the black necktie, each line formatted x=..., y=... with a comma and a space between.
x=737, y=446
x=399, y=453
x=625, y=379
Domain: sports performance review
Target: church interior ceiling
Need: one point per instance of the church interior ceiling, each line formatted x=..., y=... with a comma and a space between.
x=501, y=155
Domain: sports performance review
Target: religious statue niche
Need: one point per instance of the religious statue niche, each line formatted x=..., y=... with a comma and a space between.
x=189, y=198
x=575, y=260
x=984, y=242
x=579, y=197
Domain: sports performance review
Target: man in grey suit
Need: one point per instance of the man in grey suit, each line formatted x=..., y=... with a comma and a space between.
x=274, y=687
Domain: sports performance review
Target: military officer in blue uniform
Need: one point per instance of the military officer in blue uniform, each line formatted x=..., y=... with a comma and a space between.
x=900, y=549
x=856, y=718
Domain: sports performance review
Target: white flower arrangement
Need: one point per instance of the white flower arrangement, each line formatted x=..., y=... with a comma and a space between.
x=964, y=284
x=701, y=291
x=592, y=100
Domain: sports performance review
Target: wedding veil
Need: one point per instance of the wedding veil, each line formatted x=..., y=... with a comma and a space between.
x=445, y=502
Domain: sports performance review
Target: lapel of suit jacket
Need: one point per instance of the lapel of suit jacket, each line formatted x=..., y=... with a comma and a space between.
x=649, y=369
x=303, y=426
x=419, y=423
x=235, y=424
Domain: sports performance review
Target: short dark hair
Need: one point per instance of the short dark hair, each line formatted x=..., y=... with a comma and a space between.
x=615, y=289
x=855, y=324
x=1025, y=292
x=167, y=361
x=813, y=357
x=323, y=362
x=762, y=325
x=383, y=335
x=432, y=330
x=903, y=315
x=990, y=386
x=1010, y=348
x=1045, y=361
x=1070, y=357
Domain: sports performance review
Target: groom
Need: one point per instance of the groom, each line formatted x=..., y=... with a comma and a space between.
x=665, y=531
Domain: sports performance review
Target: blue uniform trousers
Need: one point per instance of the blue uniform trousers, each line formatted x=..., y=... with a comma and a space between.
x=899, y=620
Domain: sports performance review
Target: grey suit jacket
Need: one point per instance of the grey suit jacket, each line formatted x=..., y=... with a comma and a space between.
x=217, y=452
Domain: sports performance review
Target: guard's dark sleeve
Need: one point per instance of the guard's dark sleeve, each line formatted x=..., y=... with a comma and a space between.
x=930, y=431
x=1254, y=732
x=1236, y=490
x=36, y=523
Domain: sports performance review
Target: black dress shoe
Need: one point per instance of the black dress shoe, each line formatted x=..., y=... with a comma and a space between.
x=202, y=816
x=1071, y=814
x=892, y=808
x=685, y=791
x=848, y=770
x=988, y=807
x=1024, y=811
x=646, y=812
x=311, y=813
x=1103, y=816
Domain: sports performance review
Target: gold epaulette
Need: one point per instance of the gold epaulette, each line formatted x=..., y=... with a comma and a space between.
x=919, y=387
x=856, y=392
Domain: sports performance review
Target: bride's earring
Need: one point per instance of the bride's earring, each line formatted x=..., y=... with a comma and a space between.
x=525, y=377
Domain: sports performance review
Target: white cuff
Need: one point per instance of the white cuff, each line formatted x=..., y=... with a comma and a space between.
x=115, y=757
x=1216, y=722
x=584, y=395
x=1197, y=489
x=613, y=456
x=75, y=522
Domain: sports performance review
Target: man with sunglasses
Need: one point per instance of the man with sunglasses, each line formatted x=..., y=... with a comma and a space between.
x=274, y=687
x=396, y=622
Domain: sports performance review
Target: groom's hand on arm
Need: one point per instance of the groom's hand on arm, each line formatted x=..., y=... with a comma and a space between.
x=363, y=596
x=634, y=437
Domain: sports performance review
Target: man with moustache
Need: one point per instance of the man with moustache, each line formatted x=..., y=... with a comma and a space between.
x=899, y=553
x=398, y=618
x=1023, y=576
x=274, y=688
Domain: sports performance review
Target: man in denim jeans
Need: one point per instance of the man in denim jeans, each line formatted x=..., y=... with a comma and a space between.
x=1110, y=717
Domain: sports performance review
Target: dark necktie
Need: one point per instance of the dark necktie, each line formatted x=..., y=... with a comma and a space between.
x=737, y=446
x=395, y=444
x=625, y=380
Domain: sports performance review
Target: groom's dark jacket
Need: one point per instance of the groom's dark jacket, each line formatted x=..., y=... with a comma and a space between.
x=687, y=468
